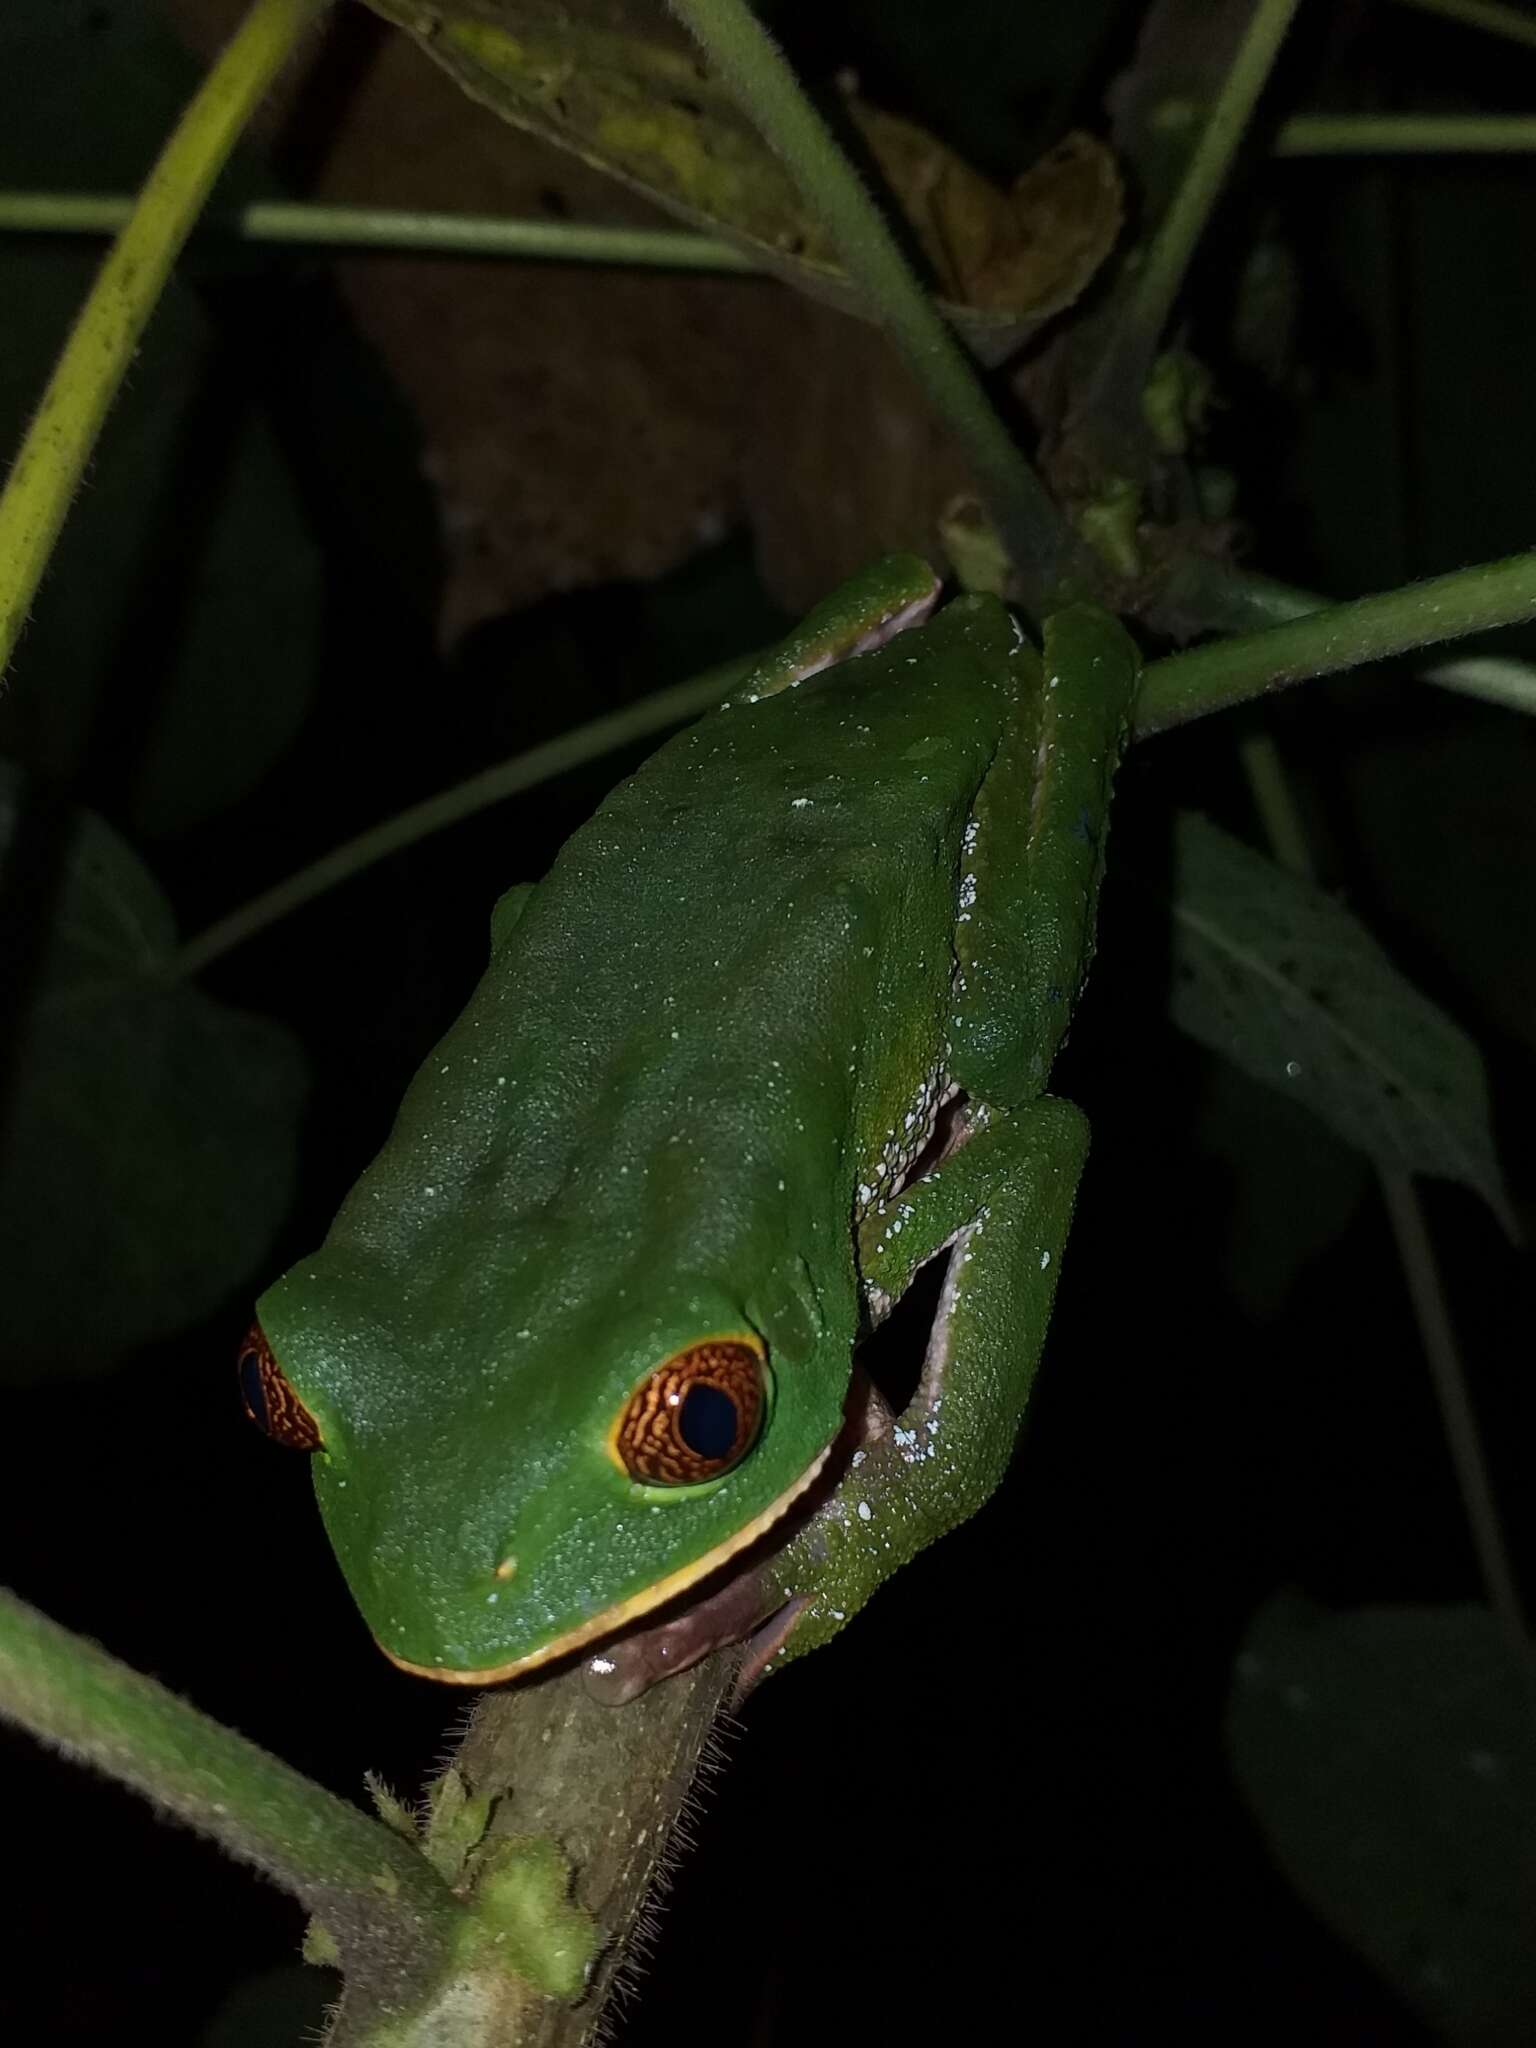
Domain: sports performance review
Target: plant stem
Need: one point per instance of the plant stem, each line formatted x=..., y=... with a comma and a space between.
x=59, y=441
x=1229, y=671
x=1493, y=15
x=1162, y=272
x=1049, y=561
x=1406, y=135
x=70, y=1693
x=539, y=764
x=380, y=227
x=1175, y=690
x=1416, y=1250
x=1239, y=601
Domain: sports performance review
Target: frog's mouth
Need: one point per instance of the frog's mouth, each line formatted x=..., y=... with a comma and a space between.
x=619, y=1616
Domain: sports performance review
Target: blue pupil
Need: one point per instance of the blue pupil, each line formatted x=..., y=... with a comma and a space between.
x=252, y=1389
x=707, y=1422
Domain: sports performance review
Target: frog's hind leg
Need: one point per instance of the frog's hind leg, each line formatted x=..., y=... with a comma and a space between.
x=1033, y=857
x=1002, y=1207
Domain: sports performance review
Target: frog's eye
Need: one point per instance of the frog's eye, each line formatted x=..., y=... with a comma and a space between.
x=694, y=1416
x=269, y=1400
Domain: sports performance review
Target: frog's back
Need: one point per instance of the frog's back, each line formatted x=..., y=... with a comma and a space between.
x=726, y=933
x=798, y=806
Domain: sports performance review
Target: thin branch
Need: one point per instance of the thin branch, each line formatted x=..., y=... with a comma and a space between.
x=389, y=228
x=1406, y=135
x=1513, y=23
x=59, y=441
x=1049, y=561
x=1162, y=272
x=1181, y=687
x=1421, y=1273
x=507, y=778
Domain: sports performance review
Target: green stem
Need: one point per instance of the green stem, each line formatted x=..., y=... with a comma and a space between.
x=1230, y=671
x=1162, y=272
x=381, y=227
x=84, y=382
x=539, y=764
x=1416, y=1251
x=1406, y=135
x=1179, y=688
x=344, y=1866
x=1492, y=15
x=1048, y=559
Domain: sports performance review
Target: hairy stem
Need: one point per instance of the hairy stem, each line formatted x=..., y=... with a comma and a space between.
x=345, y=1866
x=1049, y=561
x=63, y=432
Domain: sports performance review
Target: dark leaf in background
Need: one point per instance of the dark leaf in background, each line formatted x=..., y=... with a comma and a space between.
x=1389, y=1755
x=1292, y=1187
x=150, y=1134
x=1275, y=975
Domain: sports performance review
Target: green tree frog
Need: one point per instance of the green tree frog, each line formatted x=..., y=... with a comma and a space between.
x=772, y=1033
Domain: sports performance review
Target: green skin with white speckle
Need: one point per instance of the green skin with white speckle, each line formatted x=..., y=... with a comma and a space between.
x=707, y=1050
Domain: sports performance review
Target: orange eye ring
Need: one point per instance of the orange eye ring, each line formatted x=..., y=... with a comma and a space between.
x=268, y=1399
x=695, y=1416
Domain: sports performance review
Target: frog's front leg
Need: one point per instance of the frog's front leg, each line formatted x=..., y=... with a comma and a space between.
x=1002, y=1206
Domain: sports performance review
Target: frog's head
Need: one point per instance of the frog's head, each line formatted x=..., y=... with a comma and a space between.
x=504, y=1488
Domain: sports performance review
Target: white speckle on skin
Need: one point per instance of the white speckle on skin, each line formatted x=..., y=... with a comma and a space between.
x=799, y=803
x=858, y=1459
x=1293, y=1070
x=1045, y=1260
x=865, y=1511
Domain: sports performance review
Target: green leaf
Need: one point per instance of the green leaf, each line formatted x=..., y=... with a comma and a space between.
x=149, y=1133
x=1277, y=977
x=1389, y=1755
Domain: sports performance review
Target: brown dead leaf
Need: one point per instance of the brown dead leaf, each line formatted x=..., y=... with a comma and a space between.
x=1036, y=245
x=581, y=424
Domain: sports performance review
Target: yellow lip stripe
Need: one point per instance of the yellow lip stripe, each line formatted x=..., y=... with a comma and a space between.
x=626, y=1611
